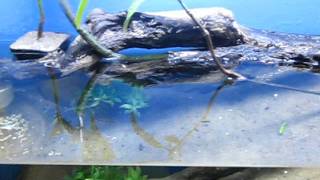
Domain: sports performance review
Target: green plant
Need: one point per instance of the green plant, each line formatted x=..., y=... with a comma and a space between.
x=135, y=101
x=107, y=173
x=84, y=3
x=129, y=98
x=132, y=9
x=81, y=8
x=100, y=95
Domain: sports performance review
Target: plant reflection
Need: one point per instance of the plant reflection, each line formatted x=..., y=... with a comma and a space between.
x=132, y=99
x=60, y=124
x=175, y=150
x=147, y=137
x=175, y=144
x=95, y=145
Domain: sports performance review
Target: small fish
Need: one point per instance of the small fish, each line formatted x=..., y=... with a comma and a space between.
x=283, y=128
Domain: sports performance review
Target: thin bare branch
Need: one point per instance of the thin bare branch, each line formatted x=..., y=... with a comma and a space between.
x=208, y=39
x=42, y=19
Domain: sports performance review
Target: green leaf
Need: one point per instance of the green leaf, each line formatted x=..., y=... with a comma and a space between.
x=132, y=9
x=283, y=128
x=82, y=6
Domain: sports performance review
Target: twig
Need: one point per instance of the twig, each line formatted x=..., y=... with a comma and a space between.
x=42, y=19
x=207, y=37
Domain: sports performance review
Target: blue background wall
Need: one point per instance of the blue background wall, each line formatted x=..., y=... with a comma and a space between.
x=296, y=16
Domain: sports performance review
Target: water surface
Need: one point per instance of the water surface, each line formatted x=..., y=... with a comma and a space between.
x=190, y=123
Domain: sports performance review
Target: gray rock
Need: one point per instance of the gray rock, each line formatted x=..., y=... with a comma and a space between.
x=29, y=46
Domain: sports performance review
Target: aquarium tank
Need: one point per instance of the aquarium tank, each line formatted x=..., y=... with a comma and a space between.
x=184, y=83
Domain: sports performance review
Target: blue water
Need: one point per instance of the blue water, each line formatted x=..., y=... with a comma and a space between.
x=295, y=16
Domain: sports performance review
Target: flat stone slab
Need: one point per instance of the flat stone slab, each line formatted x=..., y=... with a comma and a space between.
x=29, y=45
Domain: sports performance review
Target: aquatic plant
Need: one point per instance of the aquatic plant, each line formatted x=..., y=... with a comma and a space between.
x=135, y=101
x=82, y=6
x=107, y=173
x=132, y=101
x=132, y=9
x=103, y=95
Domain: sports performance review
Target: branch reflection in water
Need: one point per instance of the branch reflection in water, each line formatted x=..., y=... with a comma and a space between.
x=175, y=143
x=131, y=100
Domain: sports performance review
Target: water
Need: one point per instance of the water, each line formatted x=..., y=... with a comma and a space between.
x=172, y=124
x=208, y=123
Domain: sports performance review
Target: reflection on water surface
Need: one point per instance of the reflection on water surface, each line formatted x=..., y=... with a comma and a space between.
x=88, y=117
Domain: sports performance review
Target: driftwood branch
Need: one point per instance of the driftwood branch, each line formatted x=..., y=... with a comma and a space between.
x=207, y=37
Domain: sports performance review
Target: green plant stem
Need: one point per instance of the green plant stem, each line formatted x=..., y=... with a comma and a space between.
x=91, y=40
x=86, y=93
x=82, y=6
x=207, y=37
x=42, y=19
x=132, y=9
